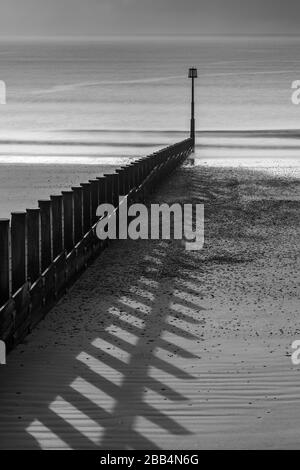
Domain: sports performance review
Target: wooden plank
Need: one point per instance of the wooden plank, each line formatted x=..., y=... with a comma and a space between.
x=68, y=220
x=57, y=224
x=4, y=261
x=78, y=213
x=86, y=207
x=33, y=244
x=46, y=255
x=18, y=238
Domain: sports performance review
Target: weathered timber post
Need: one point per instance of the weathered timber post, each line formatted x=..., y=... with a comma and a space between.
x=78, y=204
x=86, y=187
x=94, y=199
x=126, y=179
x=122, y=180
x=102, y=189
x=67, y=197
x=116, y=186
x=33, y=244
x=18, y=240
x=109, y=188
x=46, y=256
x=57, y=225
x=4, y=260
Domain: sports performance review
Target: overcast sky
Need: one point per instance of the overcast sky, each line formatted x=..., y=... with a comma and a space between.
x=118, y=17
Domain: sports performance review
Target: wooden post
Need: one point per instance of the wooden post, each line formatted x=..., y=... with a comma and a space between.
x=18, y=240
x=131, y=176
x=140, y=171
x=33, y=244
x=78, y=204
x=4, y=261
x=46, y=256
x=109, y=188
x=116, y=186
x=57, y=225
x=94, y=199
x=127, y=176
x=126, y=179
x=68, y=220
x=147, y=166
x=86, y=197
x=122, y=183
x=136, y=174
x=102, y=189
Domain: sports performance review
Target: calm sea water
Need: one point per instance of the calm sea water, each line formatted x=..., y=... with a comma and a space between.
x=89, y=102
x=141, y=85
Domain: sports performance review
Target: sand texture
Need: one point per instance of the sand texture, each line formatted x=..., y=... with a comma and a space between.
x=156, y=347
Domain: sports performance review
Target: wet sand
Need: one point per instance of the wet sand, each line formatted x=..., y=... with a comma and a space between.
x=157, y=347
x=22, y=185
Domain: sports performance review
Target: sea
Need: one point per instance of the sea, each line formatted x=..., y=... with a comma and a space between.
x=79, y=107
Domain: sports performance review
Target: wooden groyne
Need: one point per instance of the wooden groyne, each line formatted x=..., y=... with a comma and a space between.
x=44, y=250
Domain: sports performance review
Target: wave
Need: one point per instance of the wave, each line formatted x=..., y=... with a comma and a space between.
x=249, y=72
x=81, y=143
x=121, y=131
x=48, y=137
x=74, y=86
x=281, y=133
x=112, y=160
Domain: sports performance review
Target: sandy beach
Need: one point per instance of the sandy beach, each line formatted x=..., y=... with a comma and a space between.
x=157, y=347
x=22, y=185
